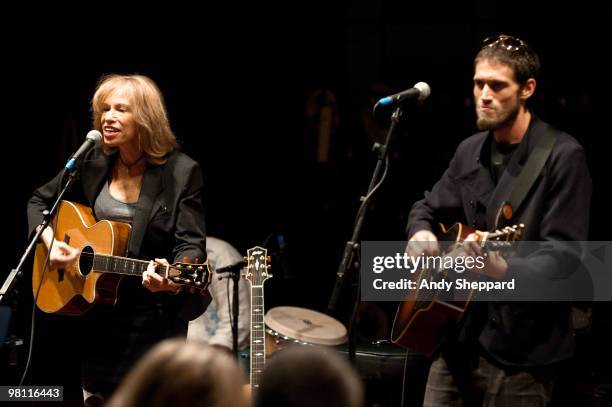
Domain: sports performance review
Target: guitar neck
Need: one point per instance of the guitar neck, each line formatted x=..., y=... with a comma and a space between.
x=121, y=265
x=257, y=273
x=258, y=344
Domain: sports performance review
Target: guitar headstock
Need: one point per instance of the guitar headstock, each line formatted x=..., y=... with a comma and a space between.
x=196, y=275
x=257, y=267
x=508, y=234
x=503, y=238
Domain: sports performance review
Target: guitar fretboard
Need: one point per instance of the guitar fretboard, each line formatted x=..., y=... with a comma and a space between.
x=258, y=345
x=115, y=264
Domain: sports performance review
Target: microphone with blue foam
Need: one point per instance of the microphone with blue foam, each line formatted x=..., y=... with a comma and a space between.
x=92, y=138
x=419, y=91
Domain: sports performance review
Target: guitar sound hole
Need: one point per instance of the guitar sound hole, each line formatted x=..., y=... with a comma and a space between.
x=86, y=260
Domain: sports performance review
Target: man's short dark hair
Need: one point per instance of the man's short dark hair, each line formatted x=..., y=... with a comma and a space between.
x=513, y=52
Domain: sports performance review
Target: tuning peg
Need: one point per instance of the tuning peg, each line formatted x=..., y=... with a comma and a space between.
x=245, y=258
x=268, y=266
x=268, y=258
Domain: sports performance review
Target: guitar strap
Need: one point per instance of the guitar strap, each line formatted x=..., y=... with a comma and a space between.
x=530, y=172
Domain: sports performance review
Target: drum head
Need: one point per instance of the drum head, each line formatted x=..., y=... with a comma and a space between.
x=306, y=325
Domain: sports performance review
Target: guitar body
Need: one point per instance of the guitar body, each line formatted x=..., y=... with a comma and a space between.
x=421, y=324
x=75, y=289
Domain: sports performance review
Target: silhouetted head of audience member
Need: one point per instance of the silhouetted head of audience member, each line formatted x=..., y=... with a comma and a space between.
x=309, y=377
x=182, y=374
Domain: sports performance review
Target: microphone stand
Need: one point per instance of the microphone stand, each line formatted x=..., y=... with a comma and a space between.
x=350, y=257
x=92, y=138
x=8, y=289
x=16, y=273
x=233, y=272
x=236, y=280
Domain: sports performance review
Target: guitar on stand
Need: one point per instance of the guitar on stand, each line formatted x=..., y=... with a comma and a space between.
x=257, y=273
x=94, y=278
x=421, y=322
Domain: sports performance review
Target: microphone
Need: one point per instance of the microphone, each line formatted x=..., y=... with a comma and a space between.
x=231, y=269
x=92, y=138
x=420, y=91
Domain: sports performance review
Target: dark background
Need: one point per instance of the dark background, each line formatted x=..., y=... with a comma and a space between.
x=238, y=80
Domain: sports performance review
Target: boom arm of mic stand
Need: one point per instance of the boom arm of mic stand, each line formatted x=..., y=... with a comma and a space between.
x=8, y=287
x=16, y=273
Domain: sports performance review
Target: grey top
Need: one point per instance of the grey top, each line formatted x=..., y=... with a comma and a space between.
x=107, y=207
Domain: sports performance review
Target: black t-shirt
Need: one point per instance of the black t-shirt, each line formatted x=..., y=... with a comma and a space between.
x=501, y=153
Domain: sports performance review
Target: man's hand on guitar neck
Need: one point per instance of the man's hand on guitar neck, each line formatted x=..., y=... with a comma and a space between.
x=495, y=266
x=156, y=283
x=423, y=242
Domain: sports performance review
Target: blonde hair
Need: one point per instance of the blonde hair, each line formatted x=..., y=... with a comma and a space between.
x=147, y=103
x=182, y=374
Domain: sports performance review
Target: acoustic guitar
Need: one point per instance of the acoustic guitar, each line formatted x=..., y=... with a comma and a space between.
x=421, y=322
x=94, y=277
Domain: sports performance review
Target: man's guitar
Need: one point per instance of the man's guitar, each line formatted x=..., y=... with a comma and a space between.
x=257, y=273
x=422, y=321
x=95, y=276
